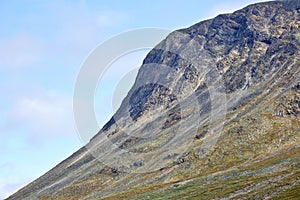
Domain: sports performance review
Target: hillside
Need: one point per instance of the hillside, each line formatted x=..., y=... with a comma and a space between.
x=214, y=113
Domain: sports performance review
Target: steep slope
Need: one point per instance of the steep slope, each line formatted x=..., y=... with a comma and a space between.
x=214, y=113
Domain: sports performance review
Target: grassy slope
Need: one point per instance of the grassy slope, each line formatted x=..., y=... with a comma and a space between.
x=247, y=182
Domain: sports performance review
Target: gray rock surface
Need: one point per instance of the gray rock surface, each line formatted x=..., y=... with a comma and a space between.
x=208, y=98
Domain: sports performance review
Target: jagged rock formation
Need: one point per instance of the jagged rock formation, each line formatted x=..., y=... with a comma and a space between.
x=230, y=83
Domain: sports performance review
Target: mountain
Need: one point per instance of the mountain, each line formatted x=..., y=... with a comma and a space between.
x=214, y=113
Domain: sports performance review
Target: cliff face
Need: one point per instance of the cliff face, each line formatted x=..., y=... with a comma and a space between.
x=214, y=113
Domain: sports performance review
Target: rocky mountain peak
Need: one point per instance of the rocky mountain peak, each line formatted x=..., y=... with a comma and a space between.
x=215, y=105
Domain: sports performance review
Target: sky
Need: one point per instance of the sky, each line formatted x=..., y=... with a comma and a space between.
x=42, y=47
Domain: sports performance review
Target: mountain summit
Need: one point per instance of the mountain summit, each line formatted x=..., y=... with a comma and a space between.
x=214, y=113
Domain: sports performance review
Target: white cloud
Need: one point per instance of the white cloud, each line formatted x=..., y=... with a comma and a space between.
x=19, y=50
x=58, y=31
x=110, y=18
x=44, y=114
x=81, y=27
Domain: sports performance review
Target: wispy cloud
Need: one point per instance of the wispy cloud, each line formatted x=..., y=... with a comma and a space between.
x=19, y=51
x=79, y=28
x=56, y=30
x=42, y=46
x=43, y=114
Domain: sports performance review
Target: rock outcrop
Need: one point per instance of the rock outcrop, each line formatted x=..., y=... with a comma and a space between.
x=214, y=113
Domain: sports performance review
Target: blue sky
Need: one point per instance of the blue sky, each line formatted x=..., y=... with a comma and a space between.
x=42, y=46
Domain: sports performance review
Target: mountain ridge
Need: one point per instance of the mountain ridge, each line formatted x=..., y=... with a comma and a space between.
x=249, y=56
